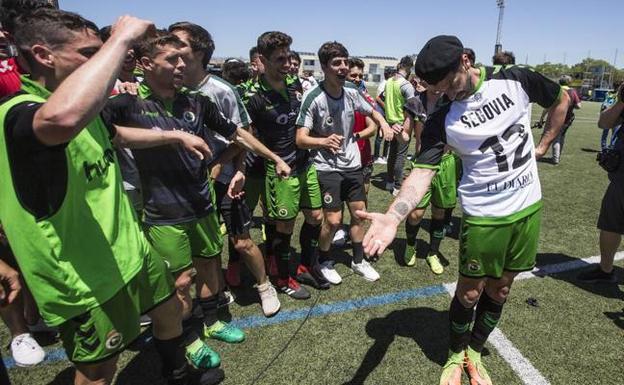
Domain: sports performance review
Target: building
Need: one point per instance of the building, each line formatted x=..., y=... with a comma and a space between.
x=374, y=66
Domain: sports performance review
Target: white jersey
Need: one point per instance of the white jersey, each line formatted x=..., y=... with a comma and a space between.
x=491, y=133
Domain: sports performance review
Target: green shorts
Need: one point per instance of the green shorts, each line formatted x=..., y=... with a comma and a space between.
x=443, y=190
x=287, y=196
x=178, y=244
x=487, y=250
x=108, y=329
x=254, y=191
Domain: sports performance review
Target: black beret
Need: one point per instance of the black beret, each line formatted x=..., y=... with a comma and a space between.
x=438, y=58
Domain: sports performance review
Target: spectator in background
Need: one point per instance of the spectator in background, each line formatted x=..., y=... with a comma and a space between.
x=235, y=71
x=257, y=68
x=504, y=58
x=295, y=63
x=397, y=91
x=382, y=158
x=471, y=55
x=610, y=100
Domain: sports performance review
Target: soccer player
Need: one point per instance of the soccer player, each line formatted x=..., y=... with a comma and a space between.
x=230, y=180
x=325, y=125
x=73, y=230
x=398, y=90
x=180, y=216
x=274, y=107
x=443, y=192
x=484, y=120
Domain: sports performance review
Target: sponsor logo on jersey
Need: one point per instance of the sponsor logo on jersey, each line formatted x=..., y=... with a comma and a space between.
x=100, y=167
x=113, y=340
x=489, y=111
x=516, y=183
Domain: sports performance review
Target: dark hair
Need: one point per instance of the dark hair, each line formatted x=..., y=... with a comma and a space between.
x=406, y=62
x=200, y=39
x=504, y=58
x=105, y=32
x=150, y=46
x=47, y=26
x=388, y=72
x=356, y=62
x=235, y=71
x=330, y=50
x=471, y=55
x=294, y=55
x=268, y=42
x=10, y=9
x=253, y=51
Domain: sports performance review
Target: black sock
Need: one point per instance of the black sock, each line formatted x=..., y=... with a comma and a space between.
x=324, y=255
x=308, y=239
x=411, y=231
x=460, y=319
x=448, y=216
x=358, y=252
x=172, y=354
x=233, y=255
x=209, y=308
x=269, y=232
x=487, y=317
x=436, y=234
x=281, y=246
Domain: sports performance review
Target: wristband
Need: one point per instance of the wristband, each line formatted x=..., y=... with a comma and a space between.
x=357, y=136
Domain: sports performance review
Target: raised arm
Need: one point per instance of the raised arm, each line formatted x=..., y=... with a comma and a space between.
x=554, y=122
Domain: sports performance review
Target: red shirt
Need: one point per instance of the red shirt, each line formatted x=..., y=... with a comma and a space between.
x=10, y=81
x=366, y=156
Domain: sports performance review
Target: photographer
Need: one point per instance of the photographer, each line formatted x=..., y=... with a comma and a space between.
x=611, y=219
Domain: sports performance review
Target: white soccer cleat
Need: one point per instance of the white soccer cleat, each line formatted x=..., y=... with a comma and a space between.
x=268, y=298
x=26, y=351
x=330, y=273
x=365, y=270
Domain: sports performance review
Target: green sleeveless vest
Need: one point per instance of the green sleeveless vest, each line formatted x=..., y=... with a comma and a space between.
x=85, y=252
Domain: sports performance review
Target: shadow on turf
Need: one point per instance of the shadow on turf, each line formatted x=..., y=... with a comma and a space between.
x=607, y=290
x=426, y=326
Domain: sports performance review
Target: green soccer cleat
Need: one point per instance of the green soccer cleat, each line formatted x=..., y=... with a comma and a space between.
x=434, y=263
x=475, y=369
x=453, y=369
x=200, y=356
x=410, y=255
x=224, y=332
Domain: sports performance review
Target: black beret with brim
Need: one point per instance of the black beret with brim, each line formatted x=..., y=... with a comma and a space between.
x=440, y=56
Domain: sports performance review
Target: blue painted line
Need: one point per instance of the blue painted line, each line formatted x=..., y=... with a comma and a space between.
x=57, y=354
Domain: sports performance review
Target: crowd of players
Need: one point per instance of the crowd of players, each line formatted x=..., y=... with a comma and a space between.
x=125, y=163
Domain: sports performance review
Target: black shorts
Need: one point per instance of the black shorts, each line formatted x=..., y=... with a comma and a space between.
x=612, y=210
x=235, y=212
x=341, y=186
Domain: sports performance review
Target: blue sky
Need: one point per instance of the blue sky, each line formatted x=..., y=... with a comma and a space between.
x=550, y=29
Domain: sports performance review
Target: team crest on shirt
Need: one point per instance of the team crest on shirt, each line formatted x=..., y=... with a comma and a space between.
x=329, y=121
x=282, y=212
x=189, y=116
x=473, y=266
x=327, y=198
x=282, y=119
x=477, y=97
x=113, y=340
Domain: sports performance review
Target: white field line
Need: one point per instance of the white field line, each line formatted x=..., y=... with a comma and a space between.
x=518, y=363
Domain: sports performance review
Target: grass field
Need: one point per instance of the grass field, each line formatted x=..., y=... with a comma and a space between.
x=394, y=331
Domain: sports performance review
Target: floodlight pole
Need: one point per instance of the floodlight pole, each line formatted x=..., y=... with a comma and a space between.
x=501, y=10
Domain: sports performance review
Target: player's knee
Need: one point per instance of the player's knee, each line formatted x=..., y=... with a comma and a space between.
x=499, y=293
x=470, y=297
x=414, y=217
x=315, y=217
x=333, y=222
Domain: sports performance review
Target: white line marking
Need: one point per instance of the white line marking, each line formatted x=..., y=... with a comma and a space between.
x=518, y=363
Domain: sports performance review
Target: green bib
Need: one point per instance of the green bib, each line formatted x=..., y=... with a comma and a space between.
x=91, y=246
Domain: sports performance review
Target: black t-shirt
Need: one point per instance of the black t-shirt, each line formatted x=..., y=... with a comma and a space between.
x=174, y=182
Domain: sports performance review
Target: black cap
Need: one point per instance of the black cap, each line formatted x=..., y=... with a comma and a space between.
x=438, y=58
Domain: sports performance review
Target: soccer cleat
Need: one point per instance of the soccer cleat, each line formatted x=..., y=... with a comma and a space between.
x=224, y=332
x=453, y=370
x=475, y=369
x=381, y=160
x=292, y=288
x=232, y=274
x=596, y=274
x=365, y=270
x=330, y=273
x=268, y=299
x=410, y=255
x=434, y=263
x=225, y=299
x=26, y=351
x=312, y=277
x=200, y=356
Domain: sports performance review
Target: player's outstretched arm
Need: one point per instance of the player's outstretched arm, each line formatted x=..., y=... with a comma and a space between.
x=387, y=131
x=131, y=137
x=554, y=122
x=82, y=95
x=384, y=226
